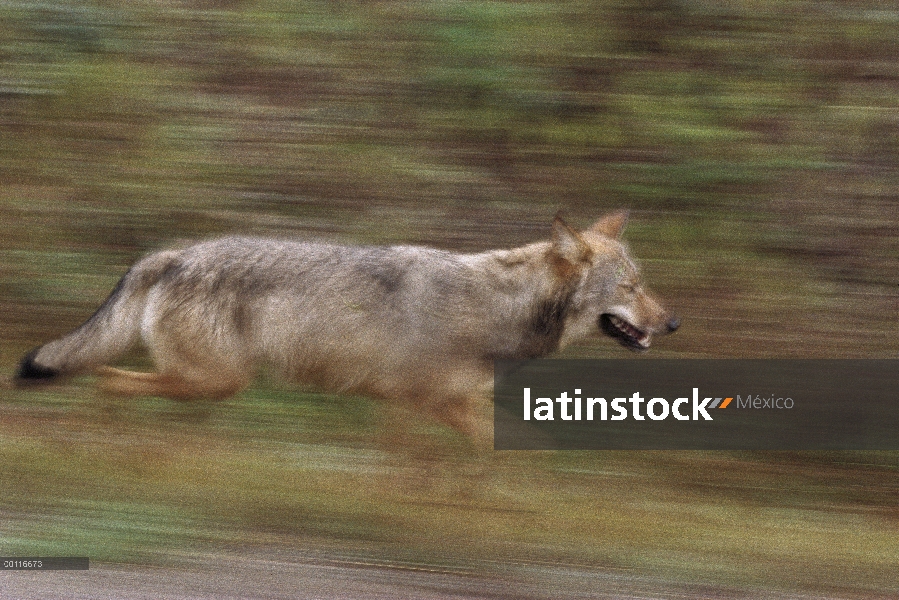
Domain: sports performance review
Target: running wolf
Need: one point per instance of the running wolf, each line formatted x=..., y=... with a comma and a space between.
x=411, y=324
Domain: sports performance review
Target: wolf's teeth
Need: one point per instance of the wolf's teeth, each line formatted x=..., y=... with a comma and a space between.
x=626, y=328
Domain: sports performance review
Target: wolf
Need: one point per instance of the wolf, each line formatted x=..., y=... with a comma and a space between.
x=415, y=325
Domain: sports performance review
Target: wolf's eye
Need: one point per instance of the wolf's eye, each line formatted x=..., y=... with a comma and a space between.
x=628, y=287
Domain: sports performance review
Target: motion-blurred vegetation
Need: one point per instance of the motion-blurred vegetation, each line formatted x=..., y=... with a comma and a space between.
x=757, y=142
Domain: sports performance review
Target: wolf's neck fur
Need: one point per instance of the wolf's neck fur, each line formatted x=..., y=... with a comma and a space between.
x=536, y=290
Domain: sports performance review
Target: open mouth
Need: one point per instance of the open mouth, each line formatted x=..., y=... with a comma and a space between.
x=627, y=335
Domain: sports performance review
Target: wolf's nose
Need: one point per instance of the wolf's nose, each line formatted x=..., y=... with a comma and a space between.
x=673, y=324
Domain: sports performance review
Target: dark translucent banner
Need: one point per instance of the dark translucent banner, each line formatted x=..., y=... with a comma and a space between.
x=697, y=405
x=44, y=563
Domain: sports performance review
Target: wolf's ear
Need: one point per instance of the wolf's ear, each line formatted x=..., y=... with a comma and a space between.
x=612, y=224
x=568, y=244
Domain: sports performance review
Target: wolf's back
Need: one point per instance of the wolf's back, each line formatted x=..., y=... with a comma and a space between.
x=111, y=330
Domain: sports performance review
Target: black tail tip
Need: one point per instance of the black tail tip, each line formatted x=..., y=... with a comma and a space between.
x=30, y=371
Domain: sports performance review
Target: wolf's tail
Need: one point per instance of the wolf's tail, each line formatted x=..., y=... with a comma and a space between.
x=111, y=331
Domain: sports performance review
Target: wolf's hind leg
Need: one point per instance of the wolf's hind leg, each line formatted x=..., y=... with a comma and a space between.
x=169, y=385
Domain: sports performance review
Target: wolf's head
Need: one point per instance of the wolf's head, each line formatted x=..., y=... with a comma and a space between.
x=609, y=294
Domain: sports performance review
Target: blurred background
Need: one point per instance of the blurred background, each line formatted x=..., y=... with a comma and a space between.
x=756, y=143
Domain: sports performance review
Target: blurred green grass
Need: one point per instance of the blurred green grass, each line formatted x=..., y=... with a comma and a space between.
x=147, y=480
x=757, y=142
